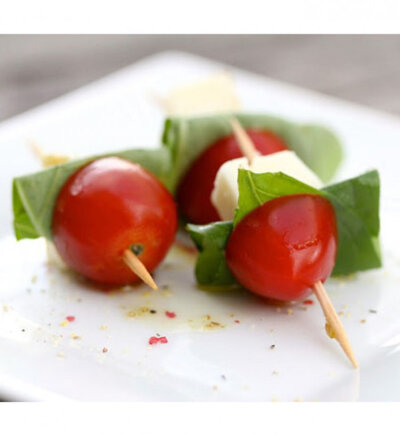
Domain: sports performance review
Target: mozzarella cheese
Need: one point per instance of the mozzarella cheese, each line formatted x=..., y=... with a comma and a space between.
x=226, y=193
x=215, y=94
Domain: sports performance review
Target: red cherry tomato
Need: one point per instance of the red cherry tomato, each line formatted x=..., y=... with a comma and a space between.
x=195, y=189
x=109, y=206
x=283, y=247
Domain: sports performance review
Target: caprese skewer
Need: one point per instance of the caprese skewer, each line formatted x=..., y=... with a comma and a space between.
x=285, y=248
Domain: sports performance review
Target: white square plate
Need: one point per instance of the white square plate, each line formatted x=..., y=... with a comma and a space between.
x=41, y=359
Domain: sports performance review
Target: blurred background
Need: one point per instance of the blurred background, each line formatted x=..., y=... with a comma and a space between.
x=362, y=69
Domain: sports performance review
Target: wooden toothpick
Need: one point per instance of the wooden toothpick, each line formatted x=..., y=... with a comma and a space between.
x=334, y=326
x=245, y=143
x=136, y=265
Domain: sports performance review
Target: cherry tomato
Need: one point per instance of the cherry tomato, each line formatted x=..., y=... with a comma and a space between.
x=283, y=247
x=109, y=206
x=195, y=189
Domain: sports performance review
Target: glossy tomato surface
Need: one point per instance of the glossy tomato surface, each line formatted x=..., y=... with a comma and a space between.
x=283, y=247
x=105, y=208
x=195, y=189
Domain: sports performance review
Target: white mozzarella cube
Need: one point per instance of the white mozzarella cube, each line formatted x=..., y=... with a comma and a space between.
x=225, y=194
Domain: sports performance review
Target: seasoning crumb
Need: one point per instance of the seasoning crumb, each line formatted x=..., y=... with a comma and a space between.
x=223, y=377
x=363, y=321
x=146, y=293
x=60, y=355
x=103, y=327
x=340, y=313
x=34, y=279
x=5, y=308
x=308, y=301
x=152, y=311
x=70, y=318
x=274, y=372
x=158, y=340
x=207, y=317
x=75, y=337
x=272, y=347
x=329, y=331
x=169, y=314
x=64, y=323
x=105, y=350
x=237, y=321
x=214, y=325
x=231, y=315
x=79, y=300
x=23, y=330
x=289, y=311
x=372, y=311
x=271, y=330
x=215, y=388
x=278, y=309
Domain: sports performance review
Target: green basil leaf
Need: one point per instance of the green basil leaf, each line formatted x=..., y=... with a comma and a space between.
x=356, y=203
x=187, y=138
x=258, y=188
x=210, y=240
x=34, y=195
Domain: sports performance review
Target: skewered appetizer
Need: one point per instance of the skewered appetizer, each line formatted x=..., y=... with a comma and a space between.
x=283, y=240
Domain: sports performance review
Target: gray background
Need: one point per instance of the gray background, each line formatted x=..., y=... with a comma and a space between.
x=363, y=69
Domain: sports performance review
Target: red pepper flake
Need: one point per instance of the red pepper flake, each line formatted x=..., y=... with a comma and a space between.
x=155, y=340
x=105, y=350
x=308, y=302
x=70, y=318
x=237, y=321
x=170, y=314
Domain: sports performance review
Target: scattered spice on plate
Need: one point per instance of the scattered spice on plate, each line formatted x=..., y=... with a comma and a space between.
x=289, y=311
x=105, y=350
x=23, y=330
x=60, y=355
x=214, y=325
x=5, y=308
x=169, y=314
x=372, y=311
x=272, y=347
x=363, y=321
x=215, y=388
x=152, y=311
x=237, y=321
x=308, y=301
x=75, y=337
x=34, y=279
x=274, y=372
x=64, y=323
x=278, y=309
x=158, y=340
x=70, y=318
x=103, y=327
x=223, y=377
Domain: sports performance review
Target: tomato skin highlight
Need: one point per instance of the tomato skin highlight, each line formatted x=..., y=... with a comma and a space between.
x=106, y=207
x=195, y=189
x=280, y=249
